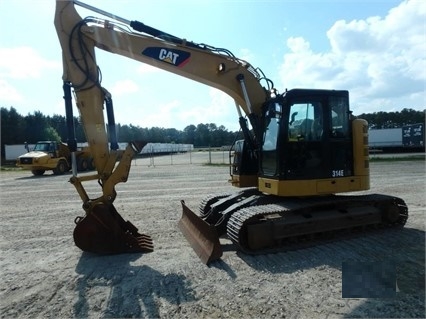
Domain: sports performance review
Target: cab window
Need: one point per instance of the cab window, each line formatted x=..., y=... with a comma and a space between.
x=339, y=117
x=270, y=139
x=305, y=122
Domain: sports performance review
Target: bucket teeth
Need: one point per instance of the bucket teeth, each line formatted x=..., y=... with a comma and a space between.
x=104, y=231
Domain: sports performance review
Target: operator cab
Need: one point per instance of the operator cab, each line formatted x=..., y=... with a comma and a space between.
x=307, y=135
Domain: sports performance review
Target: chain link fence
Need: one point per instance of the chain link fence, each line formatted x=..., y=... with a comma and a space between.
x=198, y=156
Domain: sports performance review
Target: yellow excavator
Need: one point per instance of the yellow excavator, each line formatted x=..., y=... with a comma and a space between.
x=303, y=150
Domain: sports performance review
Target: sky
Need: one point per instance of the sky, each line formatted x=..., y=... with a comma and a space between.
x=376, y=49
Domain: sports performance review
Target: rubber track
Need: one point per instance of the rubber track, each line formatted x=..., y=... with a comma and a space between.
x=247, y=215
x=204, y=207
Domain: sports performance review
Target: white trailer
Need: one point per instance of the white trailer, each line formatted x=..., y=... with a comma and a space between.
x=388, y=137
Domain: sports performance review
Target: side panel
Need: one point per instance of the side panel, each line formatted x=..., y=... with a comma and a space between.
x=313, y=187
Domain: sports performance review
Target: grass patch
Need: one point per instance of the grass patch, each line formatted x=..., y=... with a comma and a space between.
x=373, y=158
x=216, y=164
x=390, y=158
x=9, y=166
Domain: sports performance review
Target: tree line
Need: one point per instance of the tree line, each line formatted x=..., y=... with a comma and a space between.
x=17, y=129
x=382, y=120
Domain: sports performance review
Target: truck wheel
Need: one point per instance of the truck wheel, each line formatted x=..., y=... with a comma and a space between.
x=82, y=165
x=38, y=172
x=61, y=168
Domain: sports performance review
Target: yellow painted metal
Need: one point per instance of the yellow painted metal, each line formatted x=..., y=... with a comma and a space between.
x=244, y=180
x=313, y=187
x=360, y=148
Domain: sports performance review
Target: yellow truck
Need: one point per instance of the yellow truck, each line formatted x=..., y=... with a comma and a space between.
x=55, y=156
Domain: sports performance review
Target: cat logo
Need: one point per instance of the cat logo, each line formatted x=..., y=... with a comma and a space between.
x=168, y=56
x=172, y=56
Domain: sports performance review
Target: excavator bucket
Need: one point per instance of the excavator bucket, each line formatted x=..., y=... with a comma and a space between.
x=104, y=231
x=202, y=236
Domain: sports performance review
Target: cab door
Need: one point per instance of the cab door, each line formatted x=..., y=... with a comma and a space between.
x=303, y=151
x=339, y=137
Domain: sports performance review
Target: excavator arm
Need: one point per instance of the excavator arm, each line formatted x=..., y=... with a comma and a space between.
x=103, y=230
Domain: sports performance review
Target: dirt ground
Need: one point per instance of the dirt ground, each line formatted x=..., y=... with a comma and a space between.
x=43, y=274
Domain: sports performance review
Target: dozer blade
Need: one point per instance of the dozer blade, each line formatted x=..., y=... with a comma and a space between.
x=104, y=231
x=201, y=236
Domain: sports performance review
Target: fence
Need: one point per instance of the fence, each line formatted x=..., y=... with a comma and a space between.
x=212, y=157
x=13, y=151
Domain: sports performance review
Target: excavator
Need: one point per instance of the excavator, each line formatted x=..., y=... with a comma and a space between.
x=301, y=156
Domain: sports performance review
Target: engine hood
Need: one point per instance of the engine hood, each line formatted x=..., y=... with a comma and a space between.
x=34, y=154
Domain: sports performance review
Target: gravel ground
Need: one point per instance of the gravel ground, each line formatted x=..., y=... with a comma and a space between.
x=45, y=276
